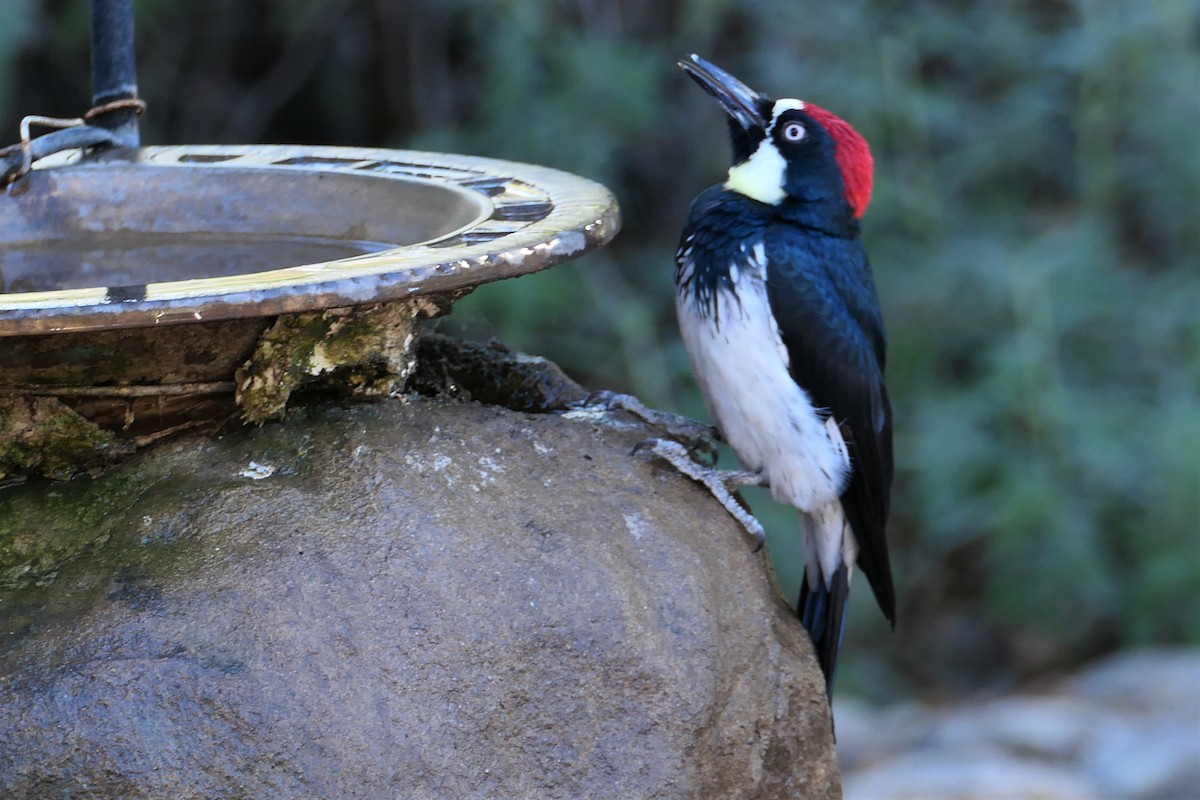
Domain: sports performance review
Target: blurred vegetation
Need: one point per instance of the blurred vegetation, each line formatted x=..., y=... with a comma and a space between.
x=1035, y=233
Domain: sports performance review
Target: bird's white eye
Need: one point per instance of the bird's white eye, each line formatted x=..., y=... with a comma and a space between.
x=793, y=132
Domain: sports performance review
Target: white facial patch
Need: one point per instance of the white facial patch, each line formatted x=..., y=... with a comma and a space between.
x=762, y=175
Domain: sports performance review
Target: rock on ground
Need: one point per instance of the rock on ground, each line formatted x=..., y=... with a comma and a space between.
x=1127, y=728
x=411, y=599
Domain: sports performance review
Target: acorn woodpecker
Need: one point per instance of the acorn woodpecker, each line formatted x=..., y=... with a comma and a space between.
x=779, y=314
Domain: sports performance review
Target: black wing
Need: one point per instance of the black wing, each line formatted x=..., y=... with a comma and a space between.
x=824, y=301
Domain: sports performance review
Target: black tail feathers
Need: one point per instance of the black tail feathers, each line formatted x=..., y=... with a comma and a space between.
x=823, y=611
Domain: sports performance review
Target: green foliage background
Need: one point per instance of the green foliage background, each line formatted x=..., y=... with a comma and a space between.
x=1034, y=232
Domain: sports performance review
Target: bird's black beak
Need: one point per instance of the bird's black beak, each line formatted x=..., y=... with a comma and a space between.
x=743, y=104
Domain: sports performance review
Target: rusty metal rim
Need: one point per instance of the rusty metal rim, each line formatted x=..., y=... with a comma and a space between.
x=515, y=239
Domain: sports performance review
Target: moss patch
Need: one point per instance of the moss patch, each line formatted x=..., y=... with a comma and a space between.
x=44, y=526
x=42, y=436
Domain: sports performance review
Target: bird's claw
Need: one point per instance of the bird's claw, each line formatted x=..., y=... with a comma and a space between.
x=721, y=483
x=695, y=436
x=686, y=438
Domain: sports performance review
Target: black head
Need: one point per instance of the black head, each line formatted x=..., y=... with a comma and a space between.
x=787, y=148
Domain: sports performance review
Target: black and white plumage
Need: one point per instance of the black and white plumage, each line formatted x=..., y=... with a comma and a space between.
x=778, y=310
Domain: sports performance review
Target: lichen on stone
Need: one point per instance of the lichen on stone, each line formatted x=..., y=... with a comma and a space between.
x=365, y=351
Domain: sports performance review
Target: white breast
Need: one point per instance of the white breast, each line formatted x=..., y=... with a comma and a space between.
x=742, y=368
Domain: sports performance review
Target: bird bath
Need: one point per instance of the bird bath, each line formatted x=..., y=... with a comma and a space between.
x=190, y=233
x=145, y=289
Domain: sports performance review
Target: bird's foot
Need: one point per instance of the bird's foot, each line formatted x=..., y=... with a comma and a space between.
x=694, y=436
x=722, y=483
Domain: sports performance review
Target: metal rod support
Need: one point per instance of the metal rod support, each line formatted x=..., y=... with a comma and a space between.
x=114, y=67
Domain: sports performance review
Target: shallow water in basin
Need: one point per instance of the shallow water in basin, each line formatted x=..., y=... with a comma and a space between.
x=138, y=258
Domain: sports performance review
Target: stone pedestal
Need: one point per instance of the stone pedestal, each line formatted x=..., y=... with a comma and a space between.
x=415, y=598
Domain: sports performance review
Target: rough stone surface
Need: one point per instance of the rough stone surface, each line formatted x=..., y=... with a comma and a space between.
x=1127, y=728
x=419, y=600
x=490, y=373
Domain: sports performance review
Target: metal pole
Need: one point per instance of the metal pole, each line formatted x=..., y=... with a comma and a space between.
x=114, y=68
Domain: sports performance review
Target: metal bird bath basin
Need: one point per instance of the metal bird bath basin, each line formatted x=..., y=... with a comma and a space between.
x=145, y=290
x=167, y=235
